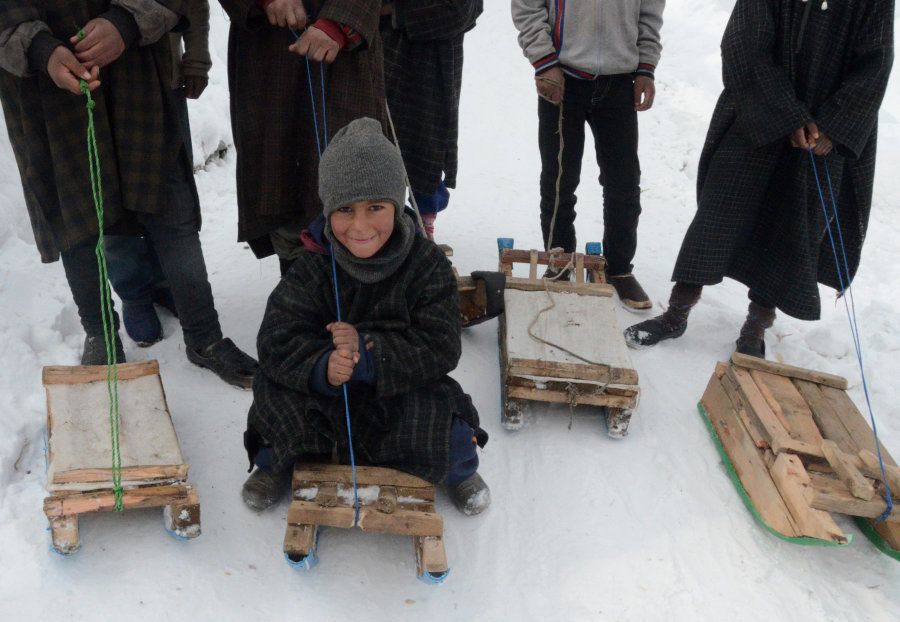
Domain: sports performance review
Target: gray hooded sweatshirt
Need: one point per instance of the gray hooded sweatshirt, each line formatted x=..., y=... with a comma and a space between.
x=588, y=38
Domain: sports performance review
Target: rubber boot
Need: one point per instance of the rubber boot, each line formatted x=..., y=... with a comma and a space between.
x=265, y=488
x=670, y=324
x=471, y=496
x=94, y=351
x=752, y=341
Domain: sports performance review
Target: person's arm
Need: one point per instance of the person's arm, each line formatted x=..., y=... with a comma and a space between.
x=768, y=109
x=532, y=20
x=26, y=42
x=427, y=349
x=151, y=18
x=359, y=17
x=649, y=45
x=850, y=114
x=292, y=337
x=427, y=20
x=196, y=60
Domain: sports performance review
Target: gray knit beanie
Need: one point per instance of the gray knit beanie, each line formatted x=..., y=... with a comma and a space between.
x=361, y=164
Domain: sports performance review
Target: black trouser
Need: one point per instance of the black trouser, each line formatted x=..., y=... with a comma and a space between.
x=607, y=106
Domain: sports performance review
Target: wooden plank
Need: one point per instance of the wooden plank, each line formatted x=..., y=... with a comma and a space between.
x=64, y=534
x=785, y=444
x=788, y=371
x=823, y=414
x=430, y=555
x=177, y=472
x=856, y=424
x=793, y=481
x=592, y=398
x=746, y=460
x=579, y=268
x=751, y=423
x=299, y=540
x=756, y=405
x=828, y=494
x=327, y=495
x=402, y=521
x=532, y=266
x=79, y=374
x=572, y=371
x=799, y=417
x=561, y=384
x=583, y=289
x=104, y=501
x=846, y=470
x=868, y=464
x=365, y=476
x=558, y=260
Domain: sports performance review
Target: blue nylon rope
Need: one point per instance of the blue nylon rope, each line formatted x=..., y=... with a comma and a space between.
x=850, y=307
x=334, y=277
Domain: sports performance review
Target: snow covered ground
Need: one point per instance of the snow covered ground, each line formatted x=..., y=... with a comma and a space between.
x=582, y=527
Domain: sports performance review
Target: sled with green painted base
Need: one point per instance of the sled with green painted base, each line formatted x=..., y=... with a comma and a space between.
x=797, y=450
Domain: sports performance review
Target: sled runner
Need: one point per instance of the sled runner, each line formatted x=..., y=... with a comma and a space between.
x=560, y=341
x=390, y=502
x=797, y=449
x=480, y=295
x=79, y=454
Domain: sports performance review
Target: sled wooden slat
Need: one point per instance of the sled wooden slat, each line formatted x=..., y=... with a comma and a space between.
x=780, y=369
x=746, y=460
x=79, y=454
x=584, y=289
x=817, y=449
x=792, y=481
x=402, y=504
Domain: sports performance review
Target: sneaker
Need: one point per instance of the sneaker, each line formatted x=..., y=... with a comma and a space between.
x=471, y=496
x=630, y=291
x=227, y=361
x=142, y=323
x=94, y=352
x=263, y=489
x=651, y=332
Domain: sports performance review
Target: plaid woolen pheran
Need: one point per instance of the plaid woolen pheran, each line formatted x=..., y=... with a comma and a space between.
x=423, y=62
x=412, y=320
x=136, y=123
x=271, y=113
x=759, y=220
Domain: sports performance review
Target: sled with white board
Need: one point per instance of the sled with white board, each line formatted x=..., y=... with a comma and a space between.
x=560, y=341
x=79, y=451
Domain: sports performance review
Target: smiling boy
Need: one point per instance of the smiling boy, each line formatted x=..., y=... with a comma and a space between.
x=399, y=340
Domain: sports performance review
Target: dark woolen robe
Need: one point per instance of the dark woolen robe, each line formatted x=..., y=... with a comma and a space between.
x=135, y=120
x=759, y=219
x=403, y=420
x=423, y=61
x=271, y=114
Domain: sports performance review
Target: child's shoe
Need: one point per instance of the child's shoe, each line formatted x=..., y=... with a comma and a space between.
x=263, y=488
x=471, y=496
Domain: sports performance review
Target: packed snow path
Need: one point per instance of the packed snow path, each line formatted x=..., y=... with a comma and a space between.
x=582, y=527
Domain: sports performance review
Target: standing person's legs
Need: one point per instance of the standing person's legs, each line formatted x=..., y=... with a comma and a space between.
x=82, y=273
x=133, y=269
x=573, y=109
x=613, y=122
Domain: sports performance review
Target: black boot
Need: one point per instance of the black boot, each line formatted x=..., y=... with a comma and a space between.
x=94, y=352
x=227, y=361
x=471, y=496
x=263, y=488
x=752, y=340
x=670, y=324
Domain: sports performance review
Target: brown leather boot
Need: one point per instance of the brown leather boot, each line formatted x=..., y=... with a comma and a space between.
x=630, y=291
x=670, y=324
x=752, y=340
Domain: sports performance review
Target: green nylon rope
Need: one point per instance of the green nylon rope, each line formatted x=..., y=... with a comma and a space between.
x=109, y=325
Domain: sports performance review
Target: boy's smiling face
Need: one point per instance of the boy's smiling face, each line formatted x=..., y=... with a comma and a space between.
x=363, y=227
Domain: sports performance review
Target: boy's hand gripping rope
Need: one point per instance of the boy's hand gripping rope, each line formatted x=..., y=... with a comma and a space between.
x=109, y=325
x=843, y=270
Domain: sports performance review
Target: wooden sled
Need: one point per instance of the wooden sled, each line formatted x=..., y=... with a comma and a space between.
x=797, y=449
x=390, y=502
x=480, y=295
x=79, y=454
x=579, y=316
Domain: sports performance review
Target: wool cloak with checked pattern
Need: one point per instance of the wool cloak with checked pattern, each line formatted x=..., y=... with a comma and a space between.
x=271, y=114
x=423, y=62
x=759, y=219
x=412, y=321
x=136, y=122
